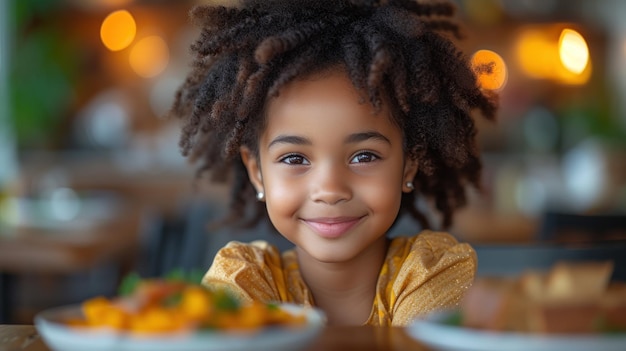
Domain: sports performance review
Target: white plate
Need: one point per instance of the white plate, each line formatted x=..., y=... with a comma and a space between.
x=434, y=332
x=60, y=337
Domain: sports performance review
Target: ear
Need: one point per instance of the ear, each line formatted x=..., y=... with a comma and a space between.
x=410, y=170
x=252, y=165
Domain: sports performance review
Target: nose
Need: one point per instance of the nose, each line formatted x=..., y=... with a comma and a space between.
x=331, y=184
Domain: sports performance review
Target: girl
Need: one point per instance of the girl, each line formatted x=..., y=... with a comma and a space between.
x=341, y=113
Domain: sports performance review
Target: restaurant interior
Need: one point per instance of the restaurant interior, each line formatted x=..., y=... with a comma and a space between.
x=93, y=185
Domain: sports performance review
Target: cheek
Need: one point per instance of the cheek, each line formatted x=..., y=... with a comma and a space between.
x=382, y=191
x=386, y=195
x=283, y=198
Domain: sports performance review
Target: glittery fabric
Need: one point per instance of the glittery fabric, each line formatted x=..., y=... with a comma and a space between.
x=420, y=274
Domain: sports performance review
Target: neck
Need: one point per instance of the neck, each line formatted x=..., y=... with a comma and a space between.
x=345, y=291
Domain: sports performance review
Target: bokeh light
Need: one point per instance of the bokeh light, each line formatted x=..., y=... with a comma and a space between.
x=105, y=122
x=584, y=171
x=555, y=53
x=535, y=53
x=118, y=30
x=63, y=204
x=496, y=78
x=149, y=56
x=573, y=51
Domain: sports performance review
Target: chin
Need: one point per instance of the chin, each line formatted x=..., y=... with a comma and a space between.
x=330, y=257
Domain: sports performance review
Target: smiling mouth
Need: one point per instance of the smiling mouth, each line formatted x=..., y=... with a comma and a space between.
x=332, y=227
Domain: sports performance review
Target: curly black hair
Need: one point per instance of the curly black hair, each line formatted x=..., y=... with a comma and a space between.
x=399, y=52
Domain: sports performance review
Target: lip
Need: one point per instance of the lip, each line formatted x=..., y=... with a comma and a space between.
x=332, y=227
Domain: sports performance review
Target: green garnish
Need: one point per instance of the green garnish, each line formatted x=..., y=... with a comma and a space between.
x=273, y=306
x=129, y=284
x=225, y=301
x=193, y=277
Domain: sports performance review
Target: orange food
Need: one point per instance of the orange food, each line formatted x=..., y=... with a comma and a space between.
x=158, y=306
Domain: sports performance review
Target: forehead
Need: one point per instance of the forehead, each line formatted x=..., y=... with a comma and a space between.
x=329, y=89
x=327, y=97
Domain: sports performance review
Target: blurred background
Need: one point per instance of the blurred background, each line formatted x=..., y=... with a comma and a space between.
x=92, y=184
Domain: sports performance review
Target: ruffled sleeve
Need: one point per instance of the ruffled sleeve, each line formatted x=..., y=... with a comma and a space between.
x=251, y=271
x=423, y=273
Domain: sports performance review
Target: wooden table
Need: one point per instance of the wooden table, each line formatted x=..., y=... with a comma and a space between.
x=26, y=338
x=26, y=250
x=53, y=250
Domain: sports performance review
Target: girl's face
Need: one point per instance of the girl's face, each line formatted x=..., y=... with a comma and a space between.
x=332, y=171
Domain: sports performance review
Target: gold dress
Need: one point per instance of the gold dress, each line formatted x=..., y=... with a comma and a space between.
x=422, y=273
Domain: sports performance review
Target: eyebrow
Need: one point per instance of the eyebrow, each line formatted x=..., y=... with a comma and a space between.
x=289, y=139
x=358, y=137
x=351, y=139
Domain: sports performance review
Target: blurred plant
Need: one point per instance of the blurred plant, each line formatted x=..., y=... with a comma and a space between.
x=43, y=70
x=592, y=115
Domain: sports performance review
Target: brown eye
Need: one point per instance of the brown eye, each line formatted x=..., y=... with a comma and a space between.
x=364, y=157
x=294, y=159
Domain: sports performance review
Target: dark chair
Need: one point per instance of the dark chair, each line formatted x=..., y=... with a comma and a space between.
x=582, y=228
x=511, y=260
x=185, y=241
x=7, y=283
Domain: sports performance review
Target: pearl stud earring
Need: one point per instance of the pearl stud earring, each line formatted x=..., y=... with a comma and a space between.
x=410, y=185
x=260, y=196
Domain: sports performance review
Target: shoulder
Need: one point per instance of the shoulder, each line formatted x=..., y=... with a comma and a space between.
x=247, y=269
x=428, y=238
x=428, y=253
x=430, y=248
x=427, y=271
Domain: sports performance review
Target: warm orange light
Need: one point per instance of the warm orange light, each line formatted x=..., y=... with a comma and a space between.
x=149, y=57
x=536, y=53
x=573, y=51
x=497, y=77
x=118, y=30
x=551, y=52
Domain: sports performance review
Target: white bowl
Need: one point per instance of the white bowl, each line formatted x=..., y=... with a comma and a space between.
x=61, y=337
